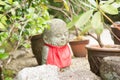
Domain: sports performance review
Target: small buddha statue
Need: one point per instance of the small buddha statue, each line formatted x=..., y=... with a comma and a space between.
x=56, y=50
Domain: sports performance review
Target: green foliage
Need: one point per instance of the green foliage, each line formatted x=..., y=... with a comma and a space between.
x=110, y=9
x=97, y=25
x=94, y=16
x=99, y=11
x=73, y=22
x=84, y=18
x=81, y=20
x=3, y=55
x=8, y=74
x=20, y=19
x=8, y=78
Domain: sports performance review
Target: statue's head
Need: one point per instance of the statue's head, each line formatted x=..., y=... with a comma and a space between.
x=57, y=34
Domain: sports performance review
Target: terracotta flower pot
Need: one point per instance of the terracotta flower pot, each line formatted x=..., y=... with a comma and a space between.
x=96, y=54
x=117, y=33
x=78, y=48
x=36, y=44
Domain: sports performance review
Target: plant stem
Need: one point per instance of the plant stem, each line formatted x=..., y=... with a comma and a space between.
x=21, y=35
x=98, y=39
x=76, y=30
x=98, y=35
x=61, y=10
x=114, y=24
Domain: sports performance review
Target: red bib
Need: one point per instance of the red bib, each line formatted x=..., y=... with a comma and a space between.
x=59, y=56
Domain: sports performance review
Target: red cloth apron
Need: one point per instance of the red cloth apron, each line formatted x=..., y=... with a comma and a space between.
x=59, y=56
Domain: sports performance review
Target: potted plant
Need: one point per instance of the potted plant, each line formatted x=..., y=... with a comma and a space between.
x=78, y=47
x=79, y=41
x=94, y=17
x=116, y=31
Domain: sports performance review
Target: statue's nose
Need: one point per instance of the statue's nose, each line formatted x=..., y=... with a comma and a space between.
x=63, y=37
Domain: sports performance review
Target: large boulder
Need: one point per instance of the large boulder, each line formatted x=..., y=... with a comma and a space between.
x=44, y=72
x=78, y=75
x=110, y=68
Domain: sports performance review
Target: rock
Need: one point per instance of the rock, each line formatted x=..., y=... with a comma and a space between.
x=18, y=54
x=110, y=68
x=78, y=75
x=43, y=72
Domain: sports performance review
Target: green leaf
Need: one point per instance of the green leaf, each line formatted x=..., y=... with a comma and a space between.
x=86, y=29
x=2, y=50
x=116, y=4
x=2, y=3
x=106, y=2
x=3, y=19
x=26, y=45
x=31, y=10
x=92, y=2
x=66, y=5
x=87, y=5
x=2, y=27
x=8, y=78
x=96, y=19
x=99, y=29
x=16, y=3
x=13, y=11
x=3, y=56
x=10, y=1
x=110, y=9
x=110, y=1
x=7, y=7
x=72, y=23
x=1, y=8
x=84, y=18
x=96, y=23
x=117, y=1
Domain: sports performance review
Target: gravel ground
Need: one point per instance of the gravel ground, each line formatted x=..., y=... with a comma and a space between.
x=29, y=60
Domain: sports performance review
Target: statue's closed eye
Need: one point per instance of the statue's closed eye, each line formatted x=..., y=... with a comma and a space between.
x=58, y=35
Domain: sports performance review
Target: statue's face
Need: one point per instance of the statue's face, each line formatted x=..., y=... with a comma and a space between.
x=57, y=35
x=59, y=38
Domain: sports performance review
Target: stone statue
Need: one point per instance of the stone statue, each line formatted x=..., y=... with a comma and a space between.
x=56, y=50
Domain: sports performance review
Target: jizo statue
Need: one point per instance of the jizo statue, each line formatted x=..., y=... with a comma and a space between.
x=56, y=50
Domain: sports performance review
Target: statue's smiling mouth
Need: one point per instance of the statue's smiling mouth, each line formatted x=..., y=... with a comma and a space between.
x=63, y=42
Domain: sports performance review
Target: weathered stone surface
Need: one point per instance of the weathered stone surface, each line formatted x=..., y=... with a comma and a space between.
x=44, y=72
x=110, y=68
x=57, y=34
x=79, y=70
x=78, y=75
x=56, y=49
